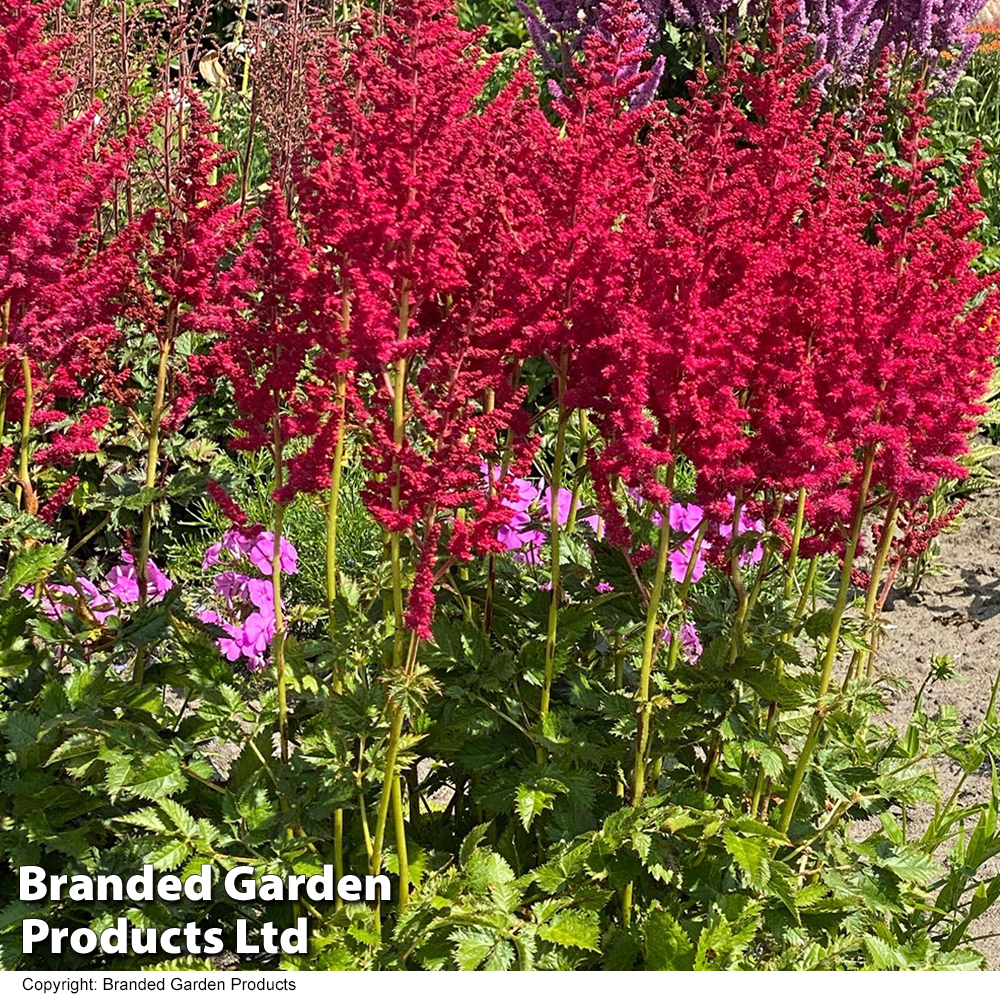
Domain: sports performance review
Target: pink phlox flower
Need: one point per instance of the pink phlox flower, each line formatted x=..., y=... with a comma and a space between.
x=212, y=555
x=564, y=503
x=680, y=560
x=261, y=554
x=527, y=494
x=98, y=603
x=123, y=580
x=690, y=641
x=238, y=542
x=686, y=517
x=232, y=585
x=531, y=545
x=261, y=595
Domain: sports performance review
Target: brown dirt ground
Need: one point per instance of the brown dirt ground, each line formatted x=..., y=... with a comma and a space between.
x=955, y=612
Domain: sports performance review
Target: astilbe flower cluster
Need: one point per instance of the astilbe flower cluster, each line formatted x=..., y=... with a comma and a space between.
x=404, y=210
x=261, y=307
x=60, y=281
x=780, y=303
x=190, y=234
x=572, y=286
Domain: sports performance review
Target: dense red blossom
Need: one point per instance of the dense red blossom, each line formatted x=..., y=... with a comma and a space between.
x=261, y=304
x=405, y=213
x=60, y=283
x=782, y=302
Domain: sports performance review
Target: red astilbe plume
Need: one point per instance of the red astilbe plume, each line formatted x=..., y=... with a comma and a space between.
x=229, y=507
x=191, y=233
x=901, y=335
x=51, y=184
x=55, y=503
x=189, y=236
x=729, y=377
x=196, y=227
x=805, y=309
x=59, y=285
x=262, y=305
x=931, y=343
x=402, y=210
x=580, y=200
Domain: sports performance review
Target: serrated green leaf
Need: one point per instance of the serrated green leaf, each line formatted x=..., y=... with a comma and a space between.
x=30, y=565
x=751, y=855
x=666, y=946
x=168, y=856
x=574, y=929
x=531, y=802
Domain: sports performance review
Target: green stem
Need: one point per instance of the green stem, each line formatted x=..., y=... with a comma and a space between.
x=152, y=461
x=332, y=510
x=790, y=568
x=619, y=659
x=24, y=464
x=839, y=607
x=555, y=485
x=401, y=852
x=871, y=595
x=396, y=724
x=991, y=709
x=736, y=642
x=581, y=461
x=643, y=704
x=807, y=588
x=278, y=645
x=398, y=427
x=395, y=731
x=332, y=515
x=237, y=38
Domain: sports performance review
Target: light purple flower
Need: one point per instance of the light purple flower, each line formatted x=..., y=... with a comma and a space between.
x=261, y=595
x=99, y=604
x=531, y=547
x=565, y=502
x=123, y=580
x=604, y=588
x=261, y=554
x=680, y=560
x=527, y=494
x=690, y=641
x=685, y=517
x=232, y=585
x=212, y=554
x=258, y=631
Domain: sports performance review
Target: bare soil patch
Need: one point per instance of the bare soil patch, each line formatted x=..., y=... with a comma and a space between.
x=956, y=612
